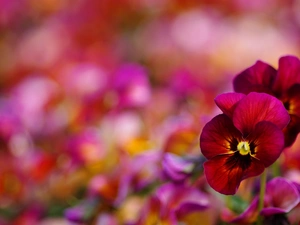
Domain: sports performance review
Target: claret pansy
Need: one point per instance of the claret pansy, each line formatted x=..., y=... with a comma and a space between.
x=244, y=140
x=283, y=83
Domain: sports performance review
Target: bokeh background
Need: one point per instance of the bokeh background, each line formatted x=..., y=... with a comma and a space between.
x=94, y=92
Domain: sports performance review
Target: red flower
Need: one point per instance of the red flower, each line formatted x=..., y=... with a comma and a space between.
x=244, y=140
x=283, y=83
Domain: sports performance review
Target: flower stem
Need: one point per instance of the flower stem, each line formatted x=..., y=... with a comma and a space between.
x=263, y=181
x=275, y=169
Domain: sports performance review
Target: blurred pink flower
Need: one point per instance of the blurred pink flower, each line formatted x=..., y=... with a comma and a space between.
x=85, y=81
x=170, y=203
x=31, y=97
x=85, y=147
x=131, y=84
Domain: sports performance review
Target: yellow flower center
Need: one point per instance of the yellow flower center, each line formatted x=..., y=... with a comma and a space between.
x=243, y=147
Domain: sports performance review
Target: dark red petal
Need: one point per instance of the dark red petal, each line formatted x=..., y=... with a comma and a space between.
x=256, y=107
x=291, y=131
x=258, y=78
x=228, y=101
x=218, y=136
x=291, y=101
x=221, y=176
x=256, y=168
x=225, y=172
x=268, y=142
x=288, y=74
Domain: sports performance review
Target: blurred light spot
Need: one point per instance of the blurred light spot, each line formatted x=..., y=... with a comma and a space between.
x=19, y=144
x=194, y=31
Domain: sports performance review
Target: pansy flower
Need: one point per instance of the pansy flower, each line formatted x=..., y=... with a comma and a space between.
x=280, y=198
x=283, y=83
x=171, y=203
x=244, y=140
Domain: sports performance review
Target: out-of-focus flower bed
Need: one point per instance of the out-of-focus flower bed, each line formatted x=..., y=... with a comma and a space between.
x=102, y=104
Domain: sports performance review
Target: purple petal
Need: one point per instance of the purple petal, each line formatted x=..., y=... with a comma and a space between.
x=175, y=176
x=228, y=101
x=256, y=107
x=176, y=167
x=177, y=195
x=164, y=192
x=284, y=195
x=75, y=214
x=271, y=211
x=191, y=195
x=190, y=200
x=190, y=207
x=181, y=200
x=249, y=215
x=258, y=78
x=281, y=196
x=178, y=163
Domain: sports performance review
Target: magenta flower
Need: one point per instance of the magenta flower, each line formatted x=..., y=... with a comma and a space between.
x=171, y=203
x=284, y=84
x=244, y=140
x=85, y=147
x=281, y=197
x=131, y=84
